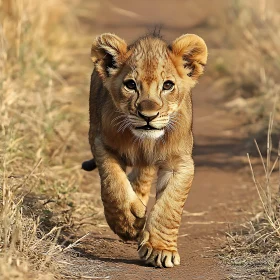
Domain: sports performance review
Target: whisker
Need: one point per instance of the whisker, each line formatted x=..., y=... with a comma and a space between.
x=118, y=117
x=162, y=139
x=120, y=123
x=123, y=125
x=115, y=119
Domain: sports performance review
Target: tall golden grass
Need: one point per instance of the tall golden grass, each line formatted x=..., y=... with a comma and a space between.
x=253, y=40
x=39, y=169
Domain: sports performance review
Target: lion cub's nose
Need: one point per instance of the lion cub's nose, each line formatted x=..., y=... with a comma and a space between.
x=148, y=109
x=147, y=118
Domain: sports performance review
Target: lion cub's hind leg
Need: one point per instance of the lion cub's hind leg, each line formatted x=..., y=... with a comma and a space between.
x=141, y=179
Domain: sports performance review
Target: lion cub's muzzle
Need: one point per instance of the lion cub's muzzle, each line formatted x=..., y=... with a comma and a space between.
x=148, y=122
x=148, y=126
x=148, y=119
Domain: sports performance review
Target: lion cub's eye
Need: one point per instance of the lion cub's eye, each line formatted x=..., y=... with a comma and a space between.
x=168, y=85
x=130, y=84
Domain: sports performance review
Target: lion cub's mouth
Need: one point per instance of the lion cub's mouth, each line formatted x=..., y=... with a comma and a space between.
x=148, y=127
x=147, y=131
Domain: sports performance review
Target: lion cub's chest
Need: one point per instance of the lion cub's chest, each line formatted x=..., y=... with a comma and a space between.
x=144, y=154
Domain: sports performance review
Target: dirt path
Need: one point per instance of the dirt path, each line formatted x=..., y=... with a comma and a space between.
x=218, y=194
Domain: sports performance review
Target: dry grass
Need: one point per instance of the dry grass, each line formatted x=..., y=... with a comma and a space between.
x=40, y=166
x=252, y=78
x=256, y=246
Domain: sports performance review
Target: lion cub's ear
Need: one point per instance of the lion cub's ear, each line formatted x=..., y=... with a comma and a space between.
x=193, y=51
x=108, y=50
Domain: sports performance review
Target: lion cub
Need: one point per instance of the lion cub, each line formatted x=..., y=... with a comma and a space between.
x=141, y=116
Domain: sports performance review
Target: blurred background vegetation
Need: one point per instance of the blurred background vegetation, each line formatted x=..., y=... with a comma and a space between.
x=44, y=81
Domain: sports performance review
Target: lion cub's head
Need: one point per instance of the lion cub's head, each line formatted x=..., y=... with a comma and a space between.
x=149, y=80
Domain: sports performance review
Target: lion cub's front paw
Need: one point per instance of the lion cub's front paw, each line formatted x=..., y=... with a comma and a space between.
x=156, y=255
x=127, y=220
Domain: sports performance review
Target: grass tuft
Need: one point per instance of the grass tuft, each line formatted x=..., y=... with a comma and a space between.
x=256, y=246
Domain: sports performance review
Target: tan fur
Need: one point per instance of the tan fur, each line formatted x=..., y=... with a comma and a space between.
x=118, y=140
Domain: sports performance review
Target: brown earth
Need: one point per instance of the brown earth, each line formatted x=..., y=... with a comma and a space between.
x=219, y=196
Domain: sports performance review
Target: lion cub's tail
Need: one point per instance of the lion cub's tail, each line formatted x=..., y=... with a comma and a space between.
x=89, y=165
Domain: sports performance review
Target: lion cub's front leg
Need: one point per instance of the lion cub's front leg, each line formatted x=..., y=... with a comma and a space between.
x=124, y=211
x=158, y=243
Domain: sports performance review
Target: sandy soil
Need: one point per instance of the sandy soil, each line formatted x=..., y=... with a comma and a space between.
x=219, y=196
